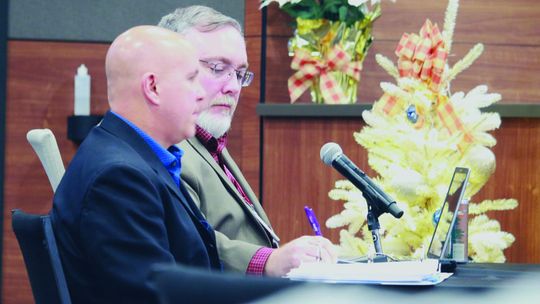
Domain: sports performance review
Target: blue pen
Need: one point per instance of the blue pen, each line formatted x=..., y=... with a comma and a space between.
x=313, y=220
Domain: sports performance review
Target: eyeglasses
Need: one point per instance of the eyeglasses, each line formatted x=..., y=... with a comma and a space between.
x=220, y=69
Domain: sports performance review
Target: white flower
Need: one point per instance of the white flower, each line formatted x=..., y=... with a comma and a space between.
x=281, y=2
x=358, y=2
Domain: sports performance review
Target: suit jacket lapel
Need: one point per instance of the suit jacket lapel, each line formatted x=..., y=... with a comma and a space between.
x=258, y=212
x=233, y=167
x=169, y=181
x=185, y=199
x=197, y=145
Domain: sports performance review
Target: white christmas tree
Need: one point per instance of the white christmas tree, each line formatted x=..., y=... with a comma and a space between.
x=415, y=135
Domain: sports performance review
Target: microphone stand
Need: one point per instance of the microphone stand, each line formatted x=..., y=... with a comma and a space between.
x=373, y=225
x=378, y=202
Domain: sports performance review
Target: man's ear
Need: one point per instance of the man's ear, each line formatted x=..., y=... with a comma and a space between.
x=149, y=88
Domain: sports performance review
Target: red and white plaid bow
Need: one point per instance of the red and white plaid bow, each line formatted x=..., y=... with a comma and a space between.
x=424, y=56
x=310, y=67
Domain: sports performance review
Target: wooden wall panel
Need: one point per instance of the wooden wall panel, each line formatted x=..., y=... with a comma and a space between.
x=486, y=21
x=252, y=20
x=294, y=176
x=517, y=176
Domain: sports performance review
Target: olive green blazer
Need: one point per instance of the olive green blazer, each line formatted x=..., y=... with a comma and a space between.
x=239, y=228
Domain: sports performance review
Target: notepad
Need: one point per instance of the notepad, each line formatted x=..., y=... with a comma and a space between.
x=424, y=272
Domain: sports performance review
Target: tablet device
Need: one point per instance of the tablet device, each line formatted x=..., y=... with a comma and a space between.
x=440, y=246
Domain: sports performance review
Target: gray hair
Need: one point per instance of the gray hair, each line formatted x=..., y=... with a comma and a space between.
x=202, y=18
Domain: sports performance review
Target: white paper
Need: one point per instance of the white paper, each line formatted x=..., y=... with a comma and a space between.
x=389, y=273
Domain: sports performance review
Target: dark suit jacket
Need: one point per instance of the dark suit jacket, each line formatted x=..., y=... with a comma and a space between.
x=117, y=211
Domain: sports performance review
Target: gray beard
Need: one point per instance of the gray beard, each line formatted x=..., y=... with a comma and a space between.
x=213, y=125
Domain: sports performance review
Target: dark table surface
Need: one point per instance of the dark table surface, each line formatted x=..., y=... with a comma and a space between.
x=489, y=275
x=471, y=283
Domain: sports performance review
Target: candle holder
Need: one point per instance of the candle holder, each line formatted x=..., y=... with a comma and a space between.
x=80, y=125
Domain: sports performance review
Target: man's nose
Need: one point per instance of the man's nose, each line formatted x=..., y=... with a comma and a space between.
x=232, y=85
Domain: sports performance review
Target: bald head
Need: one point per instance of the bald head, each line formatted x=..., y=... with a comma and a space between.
x=135, y=52
x=151, y=71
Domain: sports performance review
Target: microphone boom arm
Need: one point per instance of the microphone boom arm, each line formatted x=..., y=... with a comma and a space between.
x=379, y=201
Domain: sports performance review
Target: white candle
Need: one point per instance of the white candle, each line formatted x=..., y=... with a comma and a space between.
x=82, y=91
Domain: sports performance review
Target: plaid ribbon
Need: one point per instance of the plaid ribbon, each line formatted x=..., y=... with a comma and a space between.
x=310, y=67
x=450, y=120
x=388, y=103
x=423, y=56
x=392, y=105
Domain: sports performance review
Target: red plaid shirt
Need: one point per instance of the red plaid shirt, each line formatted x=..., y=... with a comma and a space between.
x=215, y=147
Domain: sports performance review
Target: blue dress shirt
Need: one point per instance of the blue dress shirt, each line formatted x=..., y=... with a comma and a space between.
x=170, y=158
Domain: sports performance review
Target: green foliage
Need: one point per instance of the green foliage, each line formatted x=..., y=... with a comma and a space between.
x=333, y=10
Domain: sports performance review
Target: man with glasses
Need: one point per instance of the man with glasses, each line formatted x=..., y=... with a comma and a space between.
x=245, y=239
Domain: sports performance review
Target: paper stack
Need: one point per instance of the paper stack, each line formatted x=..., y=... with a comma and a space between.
x=424, y=272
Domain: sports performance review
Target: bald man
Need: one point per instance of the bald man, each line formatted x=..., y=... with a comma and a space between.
x=121, y=206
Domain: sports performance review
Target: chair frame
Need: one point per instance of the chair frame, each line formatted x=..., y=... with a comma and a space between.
x=43, y=265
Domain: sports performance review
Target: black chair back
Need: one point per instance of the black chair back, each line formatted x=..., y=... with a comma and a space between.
x=181, y=284
x=38, y=246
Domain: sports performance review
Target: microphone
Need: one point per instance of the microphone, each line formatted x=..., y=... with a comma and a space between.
x=332, y=155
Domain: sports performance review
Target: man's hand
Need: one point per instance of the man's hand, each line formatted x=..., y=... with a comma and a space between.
x=302, y=249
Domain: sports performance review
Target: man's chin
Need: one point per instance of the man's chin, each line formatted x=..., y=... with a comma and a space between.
x=210, y=118
x=214, y=125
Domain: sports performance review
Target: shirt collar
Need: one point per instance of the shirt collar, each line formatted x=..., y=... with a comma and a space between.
x=212, y=144
x=170, y=158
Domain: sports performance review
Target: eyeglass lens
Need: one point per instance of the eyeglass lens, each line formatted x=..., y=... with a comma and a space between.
x=220, y=69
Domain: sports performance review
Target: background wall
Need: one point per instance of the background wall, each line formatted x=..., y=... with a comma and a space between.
x=97, y=20
x=293, y=174
x=47, y=41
